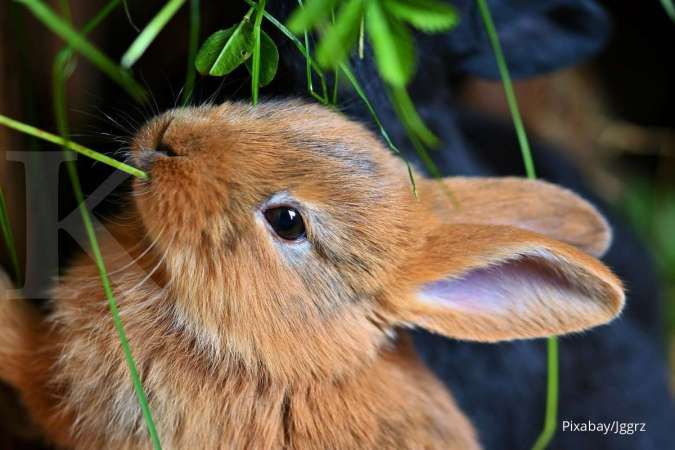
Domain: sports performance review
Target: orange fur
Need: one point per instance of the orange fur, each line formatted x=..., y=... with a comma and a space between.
x=246, y=341
x=530, y=204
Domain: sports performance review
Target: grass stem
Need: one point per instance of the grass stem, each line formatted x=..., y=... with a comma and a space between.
x=552, y=388
x=255, y=70
x=114, y=310
x=301, y=48
x=347, y=71
x=508, y=88
x=550, y=423
x=193, y=46
x=59, y=78
x=58, y=140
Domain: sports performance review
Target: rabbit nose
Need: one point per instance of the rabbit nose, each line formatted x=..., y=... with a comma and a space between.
x=145, y=158
x=165, y=149
x=162, y=147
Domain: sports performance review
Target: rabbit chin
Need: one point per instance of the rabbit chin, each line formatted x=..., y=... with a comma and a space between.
x=333, y=352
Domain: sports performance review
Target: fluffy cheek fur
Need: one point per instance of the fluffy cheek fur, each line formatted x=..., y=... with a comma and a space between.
x=294, y=320
x=297, y=308
x=178, y=204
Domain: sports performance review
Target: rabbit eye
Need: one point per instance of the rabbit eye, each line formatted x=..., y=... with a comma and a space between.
x=286, y=222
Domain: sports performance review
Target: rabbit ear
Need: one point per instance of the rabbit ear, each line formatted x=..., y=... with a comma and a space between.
x=529, y=204
x=494, y=282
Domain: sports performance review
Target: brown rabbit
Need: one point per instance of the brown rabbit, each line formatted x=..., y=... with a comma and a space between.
x=276, y=252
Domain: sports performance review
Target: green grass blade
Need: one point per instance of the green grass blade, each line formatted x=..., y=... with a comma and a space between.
x=193, y=46
x=415, y=126
x=336, y=69
x=112, y=304
x=66, y=52
x=551, y=414
x=309, y=15
x=341, y=35
x=323, y=99
x=58, y=140
x=362, y=36
x=52, y=21
x=255, y=71
x=347, y=71
x=100, y=16
x=550, y=423
x=150, y=32
x=429, y=16
x=336, y=85
x=8, y=237
x=58, y=84
x=392, y=44
x=269, y=60
x=308, y=66
x=301, y=48
x=669, y=7
x=508, y=88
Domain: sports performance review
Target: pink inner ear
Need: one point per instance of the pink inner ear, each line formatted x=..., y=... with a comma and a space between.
x=510, y=285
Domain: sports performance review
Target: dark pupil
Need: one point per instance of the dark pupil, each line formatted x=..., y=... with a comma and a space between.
x=286, y=222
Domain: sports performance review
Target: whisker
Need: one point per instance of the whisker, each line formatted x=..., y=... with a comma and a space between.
x=153, y=271
x=145, y=252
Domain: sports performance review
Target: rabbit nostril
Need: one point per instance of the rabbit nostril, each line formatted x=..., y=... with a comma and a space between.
x=161, y=146
x=165, y=149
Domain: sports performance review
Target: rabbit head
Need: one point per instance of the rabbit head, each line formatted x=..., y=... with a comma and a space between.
x=293, y=243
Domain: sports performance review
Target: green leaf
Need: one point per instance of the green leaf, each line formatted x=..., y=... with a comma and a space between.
x=269, y=60
x=350, y=77
x=304, y=50
x=405, y=108
x=341, y=36
x=669, y=7
x=430, y=16
x=392, y=44
x=310, y=14
x=225, y=50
